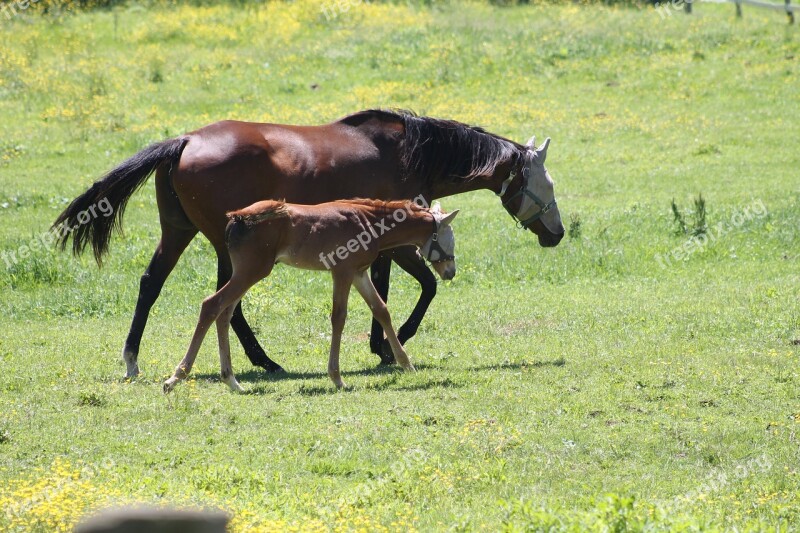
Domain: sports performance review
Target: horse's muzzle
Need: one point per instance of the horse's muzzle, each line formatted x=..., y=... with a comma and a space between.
x=549, y=240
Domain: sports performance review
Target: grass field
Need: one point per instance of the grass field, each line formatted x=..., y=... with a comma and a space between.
x=633, y=378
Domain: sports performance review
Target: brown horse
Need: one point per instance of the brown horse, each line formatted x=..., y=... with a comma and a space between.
x=228, y=165
x=344, y=237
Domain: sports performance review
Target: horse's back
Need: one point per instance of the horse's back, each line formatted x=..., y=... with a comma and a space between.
x=230, y=164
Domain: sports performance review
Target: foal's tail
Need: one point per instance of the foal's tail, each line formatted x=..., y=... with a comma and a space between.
x=240, y=222
x=93, y=216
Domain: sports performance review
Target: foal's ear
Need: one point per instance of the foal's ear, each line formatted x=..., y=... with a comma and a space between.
x=436, y=208
x=448, y=218
x=531, y=143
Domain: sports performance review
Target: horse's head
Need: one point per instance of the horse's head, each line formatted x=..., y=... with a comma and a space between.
x=440, y=248
x=529, y=196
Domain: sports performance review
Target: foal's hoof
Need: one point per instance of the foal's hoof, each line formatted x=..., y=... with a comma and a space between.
x=233, y=384
x=169, y=385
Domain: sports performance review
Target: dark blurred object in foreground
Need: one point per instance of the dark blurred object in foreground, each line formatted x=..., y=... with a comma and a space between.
x=154, y=520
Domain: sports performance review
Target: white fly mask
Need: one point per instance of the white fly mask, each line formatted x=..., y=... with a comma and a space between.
x=440, y=248
x=538, y=202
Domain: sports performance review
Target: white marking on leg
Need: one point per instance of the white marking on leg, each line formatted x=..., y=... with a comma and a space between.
x=131, y=364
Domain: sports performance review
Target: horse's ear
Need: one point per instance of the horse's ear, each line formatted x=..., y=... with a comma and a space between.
x=436, y=208
x=541, y=152
x=531, y=142
x=449, y=218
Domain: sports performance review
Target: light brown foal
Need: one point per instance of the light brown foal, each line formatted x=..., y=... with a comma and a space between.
x=344, y=237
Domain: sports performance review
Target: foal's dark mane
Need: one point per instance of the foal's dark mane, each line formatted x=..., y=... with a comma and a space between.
x=434, y=149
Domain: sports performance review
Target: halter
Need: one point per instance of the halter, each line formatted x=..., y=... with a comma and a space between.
x=543, y=207
x=433, y=242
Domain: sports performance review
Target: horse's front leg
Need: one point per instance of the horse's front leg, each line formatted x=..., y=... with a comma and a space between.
x=409, y=260
x=341, y=293
x=381, y=314
x=380, y=270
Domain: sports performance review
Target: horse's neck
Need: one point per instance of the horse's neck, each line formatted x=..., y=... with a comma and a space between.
x=443, y=187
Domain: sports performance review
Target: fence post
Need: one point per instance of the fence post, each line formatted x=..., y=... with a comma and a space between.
x=738, y=9
x=687, y=6
x=789, y=12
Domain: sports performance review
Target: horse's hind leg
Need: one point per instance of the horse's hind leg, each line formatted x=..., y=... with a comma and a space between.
x=226, y=368
x=381, y=314
x=250, y=343
x=173, y=242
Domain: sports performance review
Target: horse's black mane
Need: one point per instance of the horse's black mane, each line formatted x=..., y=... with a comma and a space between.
x=434, y=148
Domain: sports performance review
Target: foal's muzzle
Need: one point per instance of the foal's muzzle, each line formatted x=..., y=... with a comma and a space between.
x=445, y=269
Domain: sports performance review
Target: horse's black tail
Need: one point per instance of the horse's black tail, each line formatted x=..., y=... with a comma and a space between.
x=92, y=216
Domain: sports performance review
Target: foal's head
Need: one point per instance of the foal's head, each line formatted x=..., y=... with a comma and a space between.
x=440, y=248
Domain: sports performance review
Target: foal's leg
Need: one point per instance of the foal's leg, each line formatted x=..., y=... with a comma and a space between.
x=381, y=314
x=250, y=343
x=210, y=310
x=341, y=292
x=223, y=328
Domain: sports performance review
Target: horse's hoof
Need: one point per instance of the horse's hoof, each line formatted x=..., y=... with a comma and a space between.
x=131, y=364
x=272, y=368
x=386, y=355
x=168, y=386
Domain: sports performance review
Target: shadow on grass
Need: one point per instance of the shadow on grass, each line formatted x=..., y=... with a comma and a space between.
x=386, y=384
x=391, y=372
x=522, y=365
x=252, y=376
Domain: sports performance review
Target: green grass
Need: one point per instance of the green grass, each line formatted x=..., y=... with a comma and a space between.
x=590, y=386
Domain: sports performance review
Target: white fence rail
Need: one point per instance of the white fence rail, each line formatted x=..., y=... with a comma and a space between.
x=786, y=7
